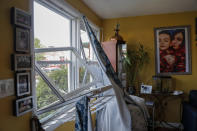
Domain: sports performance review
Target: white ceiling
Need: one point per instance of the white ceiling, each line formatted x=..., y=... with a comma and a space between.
x=124, y=8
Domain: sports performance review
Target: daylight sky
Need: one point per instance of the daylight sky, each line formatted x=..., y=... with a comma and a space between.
x=50, y=28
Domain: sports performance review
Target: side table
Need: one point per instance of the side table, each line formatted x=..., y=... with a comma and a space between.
x=160, y=103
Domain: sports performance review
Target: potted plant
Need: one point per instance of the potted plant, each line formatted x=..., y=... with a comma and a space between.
x=133, y=62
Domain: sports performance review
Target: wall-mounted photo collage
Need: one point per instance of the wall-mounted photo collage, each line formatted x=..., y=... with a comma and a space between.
x=22, y=60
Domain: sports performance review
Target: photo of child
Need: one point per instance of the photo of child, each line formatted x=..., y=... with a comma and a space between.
x=167, y=58
x=23, y=105
x=172, y=50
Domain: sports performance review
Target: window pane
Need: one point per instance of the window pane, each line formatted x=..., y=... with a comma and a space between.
x=53, y=56
x=86, y=43
x=44, y=94
x=52, y=29
x=58, y=74
x=84, y=76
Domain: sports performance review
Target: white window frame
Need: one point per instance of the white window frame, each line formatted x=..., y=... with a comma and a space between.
x=69, y=12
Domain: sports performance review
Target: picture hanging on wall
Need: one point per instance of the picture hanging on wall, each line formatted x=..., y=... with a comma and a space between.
x=21, y=62
x=20, y=18
x=23, y=106
x=22, y=84
x=173, y=53
x=22, y=40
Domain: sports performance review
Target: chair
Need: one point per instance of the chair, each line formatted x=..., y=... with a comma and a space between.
x=189, y=114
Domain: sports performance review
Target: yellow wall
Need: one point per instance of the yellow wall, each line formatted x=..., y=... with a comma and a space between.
x=140, y=29
x=83, y=8
x=69, y=126
x=7, y=121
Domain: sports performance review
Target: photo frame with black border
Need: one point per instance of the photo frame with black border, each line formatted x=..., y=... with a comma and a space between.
x=20, y=18
x=22, y=40
x=22, y=84
x=173, y=50
x=21, y=62
x=23, y=105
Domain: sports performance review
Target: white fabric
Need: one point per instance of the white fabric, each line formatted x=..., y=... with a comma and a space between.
x=114, y=116
x=110, y=119
x=122, y=108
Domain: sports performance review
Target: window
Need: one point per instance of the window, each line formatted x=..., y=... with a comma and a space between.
x=52, y=32
x=64, y=59
x=89, y=54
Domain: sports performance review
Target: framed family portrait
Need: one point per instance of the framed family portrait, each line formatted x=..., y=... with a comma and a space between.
x=23, y=106
x=21, y=62
x=172, y=50
x=22, y=40
x=20, y=18
x=22, y=84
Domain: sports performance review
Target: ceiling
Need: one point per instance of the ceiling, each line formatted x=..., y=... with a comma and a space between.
x=125, y=8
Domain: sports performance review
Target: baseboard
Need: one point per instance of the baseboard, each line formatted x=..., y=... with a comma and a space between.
x=169, y=125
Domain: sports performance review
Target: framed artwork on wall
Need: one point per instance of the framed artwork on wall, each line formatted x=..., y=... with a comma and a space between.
x=22, y=84
x=23, y=106
x=22, y=40
x=21, y=62
x=20, y=18
x=172, y=50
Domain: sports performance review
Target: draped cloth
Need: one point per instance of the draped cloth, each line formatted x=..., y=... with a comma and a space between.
x=81, y=120
x=124, y=114
x=109, y=119
x=121, y=96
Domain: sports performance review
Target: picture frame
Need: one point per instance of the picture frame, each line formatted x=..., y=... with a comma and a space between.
x=22, y=84
x=20, y=18
x=172, y=50
x=23, y=105
x=21, y=62
x=146, y=89
x=22, y=40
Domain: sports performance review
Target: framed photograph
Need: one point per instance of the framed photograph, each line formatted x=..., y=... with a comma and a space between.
x=146, y=89
x=23, y=106
x=22, y=84
x=172, y=50
x=22, y=40
x=21, y=62
x=20, y=18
